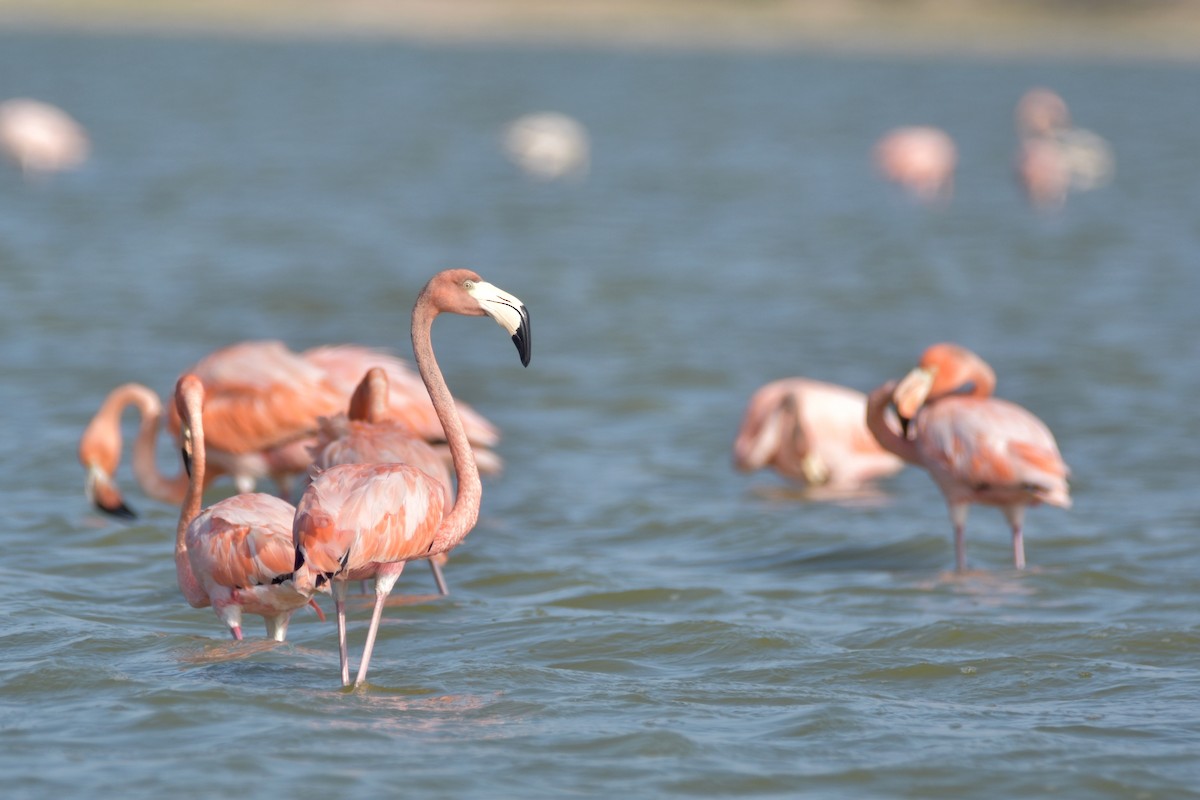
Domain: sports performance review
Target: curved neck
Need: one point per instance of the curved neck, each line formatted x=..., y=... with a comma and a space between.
x=191, y=588
x=145, y=459
x=877, y=405
x=465, y=512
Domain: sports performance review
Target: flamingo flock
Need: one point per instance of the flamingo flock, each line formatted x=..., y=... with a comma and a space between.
x=387, y=463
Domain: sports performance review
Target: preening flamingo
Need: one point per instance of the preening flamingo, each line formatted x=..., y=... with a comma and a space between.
x=977, y=448
x=41, y=138
x=261, y=415
x=236, y=554
x=811, y=432
x=919, y=158
x=365, y=435
x=366, y=520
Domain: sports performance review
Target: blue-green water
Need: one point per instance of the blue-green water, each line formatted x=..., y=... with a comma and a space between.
x=630, y=616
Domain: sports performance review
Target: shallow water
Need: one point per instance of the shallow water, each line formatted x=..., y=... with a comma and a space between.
x=630, y=615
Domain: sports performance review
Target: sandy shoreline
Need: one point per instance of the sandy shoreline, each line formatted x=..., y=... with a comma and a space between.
x=1054, y=28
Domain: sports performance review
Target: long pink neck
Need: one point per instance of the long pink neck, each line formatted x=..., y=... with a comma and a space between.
x=191, y=588
x=877, y=405
x=465, y=512
x=145, y=460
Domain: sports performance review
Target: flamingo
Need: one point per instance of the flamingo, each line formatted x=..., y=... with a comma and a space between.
x=919, y=158
x=547, y=145
x=232, y=555
x=1054, y=157
x=366, y=520
x=41, y=138
x=812, y=432
x=261, y=416
x=365, y=435
x=977, y=448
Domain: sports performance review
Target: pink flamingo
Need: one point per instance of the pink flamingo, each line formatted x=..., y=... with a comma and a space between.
x=365, y=435
x=366, y=520
x=235, y=554
x=977, y=448
x=921, y=159
x=41, y=138
x=1054, y=157
x=261, y=416
x=811, y=432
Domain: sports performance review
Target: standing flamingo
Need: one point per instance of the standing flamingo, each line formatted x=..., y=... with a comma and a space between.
x=233, y=554
x=919, y=158
x=977, y=448
x=812, y=432
x=365, y=435
x=261, y=415
x=361, y=520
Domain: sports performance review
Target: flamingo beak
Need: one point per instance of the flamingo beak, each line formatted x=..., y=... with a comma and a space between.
x=509, y=313
x=910, y=394
x=104, y=494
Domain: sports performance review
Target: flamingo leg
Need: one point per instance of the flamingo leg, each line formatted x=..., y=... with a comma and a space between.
x=438, y=578
x=958, y=515
x=339, y=601
x=385, y=579
x=1016, y=519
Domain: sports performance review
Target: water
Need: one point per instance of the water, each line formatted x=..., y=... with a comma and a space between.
x=629, y=615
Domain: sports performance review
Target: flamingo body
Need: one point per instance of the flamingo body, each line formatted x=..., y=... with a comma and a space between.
x=41, y=138
x=811, y=432
x=919, y=158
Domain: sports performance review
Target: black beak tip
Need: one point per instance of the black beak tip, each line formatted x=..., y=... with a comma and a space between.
x=523, y=339
x=905, y=424
x=120, y=511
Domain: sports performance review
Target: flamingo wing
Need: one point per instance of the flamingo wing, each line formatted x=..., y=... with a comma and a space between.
x=243, y=541
x=991, y=445
x=353, y=515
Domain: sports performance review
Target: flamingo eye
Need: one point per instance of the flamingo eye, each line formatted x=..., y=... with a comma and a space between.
x=468, y=284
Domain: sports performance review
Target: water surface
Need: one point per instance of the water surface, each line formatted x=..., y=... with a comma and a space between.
x=630, y=615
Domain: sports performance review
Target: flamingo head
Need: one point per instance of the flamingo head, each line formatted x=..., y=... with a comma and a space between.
x=944, y=369
x=461, y=291
x=100, y=455
x=189, y=402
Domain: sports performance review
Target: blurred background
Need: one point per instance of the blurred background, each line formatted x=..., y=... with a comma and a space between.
x=693, y=199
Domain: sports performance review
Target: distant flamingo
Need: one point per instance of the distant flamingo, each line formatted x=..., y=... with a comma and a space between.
x=919, y=158
x=548, y=145
x=1054, y=157
x=366, y=520
x=977, y=448
x=261, y=415
x=41, y=138
x=365, y=435
x=234, y=554
x=812, y=432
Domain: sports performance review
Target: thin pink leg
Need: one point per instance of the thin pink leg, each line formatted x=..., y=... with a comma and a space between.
x=385, y=579
x=438, y=578
x=960, y=549
x=339, y=602
x=1018, y=548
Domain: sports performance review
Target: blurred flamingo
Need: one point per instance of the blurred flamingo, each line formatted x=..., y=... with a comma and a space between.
x=234, y=554
x=41, y=138
x=548, y=145
x=1054, y=157
x=921, y=159
x=261, y=416
x=811, y=432
x=366, y=520
x=977, y=448
x=365, y=435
